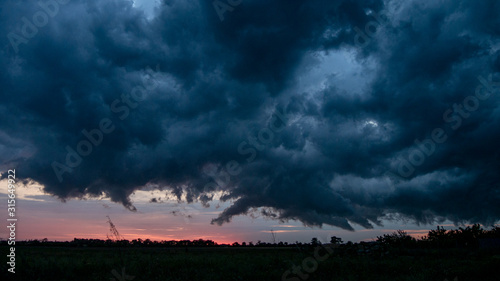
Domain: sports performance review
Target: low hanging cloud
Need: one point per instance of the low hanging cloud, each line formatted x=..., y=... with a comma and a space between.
x=327, y=112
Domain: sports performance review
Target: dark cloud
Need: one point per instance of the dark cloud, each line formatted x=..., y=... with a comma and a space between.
x=396, y=125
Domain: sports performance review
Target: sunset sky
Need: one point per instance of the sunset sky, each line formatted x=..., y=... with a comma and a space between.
x=227, y=120
x=43, y=216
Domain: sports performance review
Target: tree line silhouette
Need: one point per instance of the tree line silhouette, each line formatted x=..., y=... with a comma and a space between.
x=471, y=237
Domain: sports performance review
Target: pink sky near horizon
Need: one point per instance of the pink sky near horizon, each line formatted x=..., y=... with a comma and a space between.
x=43, y=216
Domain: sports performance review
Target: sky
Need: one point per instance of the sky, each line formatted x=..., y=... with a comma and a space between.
x=227, y=120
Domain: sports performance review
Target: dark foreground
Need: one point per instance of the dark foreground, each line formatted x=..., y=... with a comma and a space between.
x=126, y=264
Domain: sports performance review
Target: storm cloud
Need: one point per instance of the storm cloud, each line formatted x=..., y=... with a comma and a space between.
x=327, y=112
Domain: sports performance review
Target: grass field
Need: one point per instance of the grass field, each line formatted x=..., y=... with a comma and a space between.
x=70, y=264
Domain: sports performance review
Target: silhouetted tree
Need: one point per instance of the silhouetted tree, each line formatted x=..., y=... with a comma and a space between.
x=314, y=241
x=397, y=239
x=336, y=240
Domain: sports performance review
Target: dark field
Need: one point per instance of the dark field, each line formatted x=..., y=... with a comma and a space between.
x=69, y=263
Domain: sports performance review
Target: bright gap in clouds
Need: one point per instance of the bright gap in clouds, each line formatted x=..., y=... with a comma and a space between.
x=148, y=6
x=335, y=69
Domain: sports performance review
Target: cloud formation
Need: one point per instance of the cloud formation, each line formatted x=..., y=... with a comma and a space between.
x=326, y=112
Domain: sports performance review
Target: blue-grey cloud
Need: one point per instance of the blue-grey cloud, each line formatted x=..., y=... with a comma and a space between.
x=99, y=97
